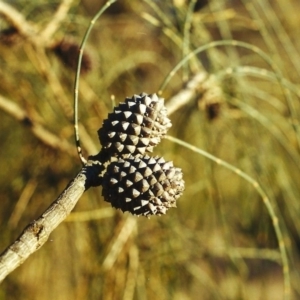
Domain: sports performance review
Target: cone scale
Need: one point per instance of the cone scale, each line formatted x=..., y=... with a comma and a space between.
x=135, y=126
x=142, y=185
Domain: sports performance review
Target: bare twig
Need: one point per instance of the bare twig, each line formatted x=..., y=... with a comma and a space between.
x=18, y=21
x=22, y=202
x=185, y=95
x=57, y=19
x=200, y=84
x=37, y=233
x=118, y=242
x=30, y=31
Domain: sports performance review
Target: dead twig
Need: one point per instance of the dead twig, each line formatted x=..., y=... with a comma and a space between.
x=18, y=21
x=37, y=233
x=29, y=30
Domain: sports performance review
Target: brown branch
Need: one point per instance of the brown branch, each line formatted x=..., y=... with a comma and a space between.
x=185, y=95
x=201, y=85
x=37, y=233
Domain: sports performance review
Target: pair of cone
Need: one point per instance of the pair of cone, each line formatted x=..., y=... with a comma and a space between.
x=135, y=181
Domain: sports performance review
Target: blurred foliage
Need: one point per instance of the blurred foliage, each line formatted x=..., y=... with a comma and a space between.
x=220, y=242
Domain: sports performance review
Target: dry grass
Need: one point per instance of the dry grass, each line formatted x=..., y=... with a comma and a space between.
x=220, y=243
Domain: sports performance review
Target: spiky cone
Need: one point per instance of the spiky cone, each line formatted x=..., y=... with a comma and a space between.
x=142, y=185
x=135, y=126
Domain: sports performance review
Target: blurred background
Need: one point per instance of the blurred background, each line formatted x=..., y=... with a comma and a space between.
x=220, y=242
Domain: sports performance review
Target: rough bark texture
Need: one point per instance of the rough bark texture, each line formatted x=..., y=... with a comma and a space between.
x=37, y=233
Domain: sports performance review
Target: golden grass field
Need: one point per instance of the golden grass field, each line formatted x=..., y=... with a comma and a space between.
x=235, y=233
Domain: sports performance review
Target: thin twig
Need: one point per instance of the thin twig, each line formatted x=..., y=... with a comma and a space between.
x=22, y=203
x=185, y=95
x=266, y=201
x=77, y=78
x=57, y=19
x=18, y=21
x=200, y=84
x=118, y=242
x=29, y=30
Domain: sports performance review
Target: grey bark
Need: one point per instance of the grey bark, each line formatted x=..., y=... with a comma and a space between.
x=37, y=233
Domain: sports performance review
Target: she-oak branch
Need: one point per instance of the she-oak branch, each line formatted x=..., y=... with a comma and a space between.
x=37, y=233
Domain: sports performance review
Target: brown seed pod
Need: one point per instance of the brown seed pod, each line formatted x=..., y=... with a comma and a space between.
x=135, y=126
x=142, y=185
x=10, y=36
x=67, y=51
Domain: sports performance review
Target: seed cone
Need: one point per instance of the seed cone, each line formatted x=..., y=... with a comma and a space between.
x=68, y=51
x=10, y=36
x=135, y=126
x=142, y=185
